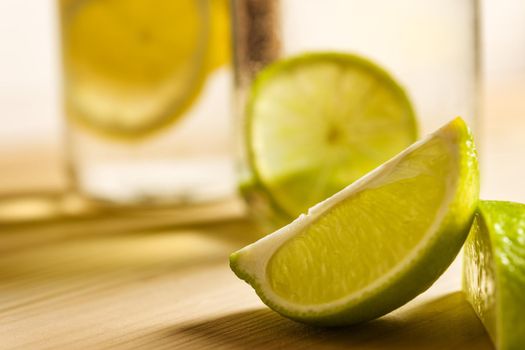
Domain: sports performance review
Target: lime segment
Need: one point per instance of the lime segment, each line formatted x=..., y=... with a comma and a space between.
x=376, y=244
x=319, y=121
x=494, y=271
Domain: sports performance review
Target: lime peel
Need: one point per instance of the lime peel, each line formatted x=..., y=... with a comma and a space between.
x=494, y=271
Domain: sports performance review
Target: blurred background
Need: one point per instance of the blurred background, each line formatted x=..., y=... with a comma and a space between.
x=31, y=115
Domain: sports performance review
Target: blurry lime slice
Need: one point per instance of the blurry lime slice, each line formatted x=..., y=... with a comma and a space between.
x=319, y=121
x=376, y=244
x=133, y=66
x=494, y=271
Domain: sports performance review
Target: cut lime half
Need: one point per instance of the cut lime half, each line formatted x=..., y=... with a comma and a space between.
x=494, y=271
x=317, y=122
x=376, y=244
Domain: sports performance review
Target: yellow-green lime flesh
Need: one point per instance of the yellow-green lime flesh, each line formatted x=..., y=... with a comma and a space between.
x=376, y=244
x=317, y=122
x=494, y=271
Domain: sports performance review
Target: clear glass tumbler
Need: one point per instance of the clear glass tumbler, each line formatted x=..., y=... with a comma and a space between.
x=430, y=48
x=147, y=99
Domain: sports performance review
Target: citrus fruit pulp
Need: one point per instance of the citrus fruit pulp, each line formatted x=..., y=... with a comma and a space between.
x=318, y=121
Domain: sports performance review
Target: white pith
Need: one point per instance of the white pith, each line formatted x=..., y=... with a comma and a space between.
x=257, y=255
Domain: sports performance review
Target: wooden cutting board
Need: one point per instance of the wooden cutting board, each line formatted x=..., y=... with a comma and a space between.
x=87, y=285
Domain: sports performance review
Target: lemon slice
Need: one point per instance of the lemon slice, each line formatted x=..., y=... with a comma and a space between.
x=494, y=271
x=318, y=121
x=133, y=66
x=376, y=244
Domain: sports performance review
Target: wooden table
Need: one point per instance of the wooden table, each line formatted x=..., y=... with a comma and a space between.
x=106, y=281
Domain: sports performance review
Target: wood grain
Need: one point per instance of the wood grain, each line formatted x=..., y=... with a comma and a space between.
x=171, y=288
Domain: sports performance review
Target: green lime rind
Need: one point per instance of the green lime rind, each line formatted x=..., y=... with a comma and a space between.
x=494, y=271
x=378, y=123
x=443, y=239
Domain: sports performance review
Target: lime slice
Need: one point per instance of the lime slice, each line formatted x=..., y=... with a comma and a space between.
x=133, y=66
x=376, y=244
x=319, y=121
x=494, y=271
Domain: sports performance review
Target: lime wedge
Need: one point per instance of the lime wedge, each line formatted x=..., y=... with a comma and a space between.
x=135, y=66
x=376, y=244
x=319, y=121
x=494, y=271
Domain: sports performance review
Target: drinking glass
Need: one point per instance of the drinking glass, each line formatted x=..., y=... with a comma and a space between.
x=429, y=47
x=146, y=87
